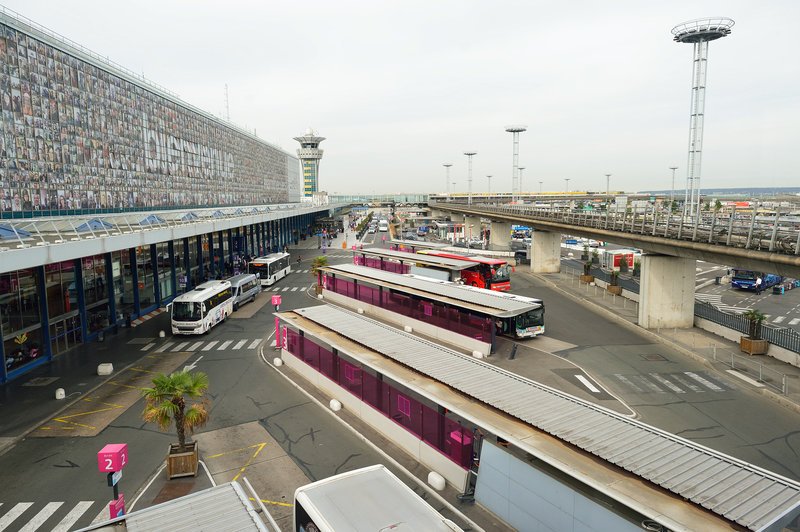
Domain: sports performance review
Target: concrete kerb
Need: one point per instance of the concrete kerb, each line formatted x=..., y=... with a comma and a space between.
x=63, y=408
x=631, y=326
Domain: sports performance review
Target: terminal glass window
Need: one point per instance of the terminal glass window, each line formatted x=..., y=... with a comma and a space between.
x=19, y=301
x=180, y=264
x=95, y=292
x=61, y=291
x=194, y=261
x=144, y=272
x=23, y=348
x=164, y=262
x=123, y=284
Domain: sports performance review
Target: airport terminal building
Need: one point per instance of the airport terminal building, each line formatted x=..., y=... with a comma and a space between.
x=116, y=196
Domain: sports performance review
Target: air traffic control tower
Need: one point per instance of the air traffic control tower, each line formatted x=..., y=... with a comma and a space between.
x=310, y=154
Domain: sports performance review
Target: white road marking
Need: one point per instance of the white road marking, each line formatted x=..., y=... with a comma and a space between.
x=586, y=383
x=180, y=346
x=648, y=383
x=210, y=345
x=15, y=512
x=165, y=347
x=667, y=383
x=149, y=346
x=192, y=365
x=295, y=289
x=254, y=344
x=627, y=381
x=745, y=378
x=239, y=344
x=285, y=288
x=686, y=383
x=703, y=381
x=795, y=321
x=73, y=516
x=224, y=345
x=43, y=515
x=195, y=346
x=779, y=319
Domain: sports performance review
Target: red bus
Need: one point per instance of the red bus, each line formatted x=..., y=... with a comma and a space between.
x=492, y=274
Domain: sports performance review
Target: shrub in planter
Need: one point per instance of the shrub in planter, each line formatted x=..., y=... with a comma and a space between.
x=595, y=257
x=753, y=344
x=585, y=254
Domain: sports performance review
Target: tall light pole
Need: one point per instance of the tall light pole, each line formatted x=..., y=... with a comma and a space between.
x=540, y=187
x=519, y=183
x=608, y=180
x=699, y=33
x=447, y=182
x=469, y=154
x=672, y=191
x=567, y=180
x=490, y=183
x=516, y=130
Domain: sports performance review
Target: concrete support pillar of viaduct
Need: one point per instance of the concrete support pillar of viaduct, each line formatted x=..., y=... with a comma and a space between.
x=500, y=235
x=666, y=296
x=440, y=215
x=545, y=252
x=475, y=230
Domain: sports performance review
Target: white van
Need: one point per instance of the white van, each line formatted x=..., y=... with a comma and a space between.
x=245, y=287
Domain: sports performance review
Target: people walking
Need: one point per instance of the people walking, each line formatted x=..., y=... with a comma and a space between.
x=758, y=285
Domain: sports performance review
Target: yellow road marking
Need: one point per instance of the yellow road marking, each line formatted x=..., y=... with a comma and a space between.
x=248, y=462
x=274, y=502
x=237, y=450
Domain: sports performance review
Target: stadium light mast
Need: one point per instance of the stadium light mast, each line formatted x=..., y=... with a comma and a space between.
x=516, y=130
x=519, y=183
x=672, y=191
x=447, y=183
x=699, y=33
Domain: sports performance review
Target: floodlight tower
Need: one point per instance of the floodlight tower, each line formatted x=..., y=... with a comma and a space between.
x=447, y=183
x=469, y=178
x=672, y=191
x=519, y=183
x=490, y=183
x=608, y=180
x=699, y=33
x=516, y=130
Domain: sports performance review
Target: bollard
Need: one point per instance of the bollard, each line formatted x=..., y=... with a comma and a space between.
x=60, y=394
x=128, y=321
x=513, y=352
x=693, y=342
x=714, y=351
x=161, y=334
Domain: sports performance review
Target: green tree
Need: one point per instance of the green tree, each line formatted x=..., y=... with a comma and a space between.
x=718, y=205
x=674, y=206
x=756, y=319
x=707, y=206
x=580, y=204
x=317, y=263
x=165, y=403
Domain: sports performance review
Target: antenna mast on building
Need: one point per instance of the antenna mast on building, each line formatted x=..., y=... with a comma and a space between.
x=227, y=109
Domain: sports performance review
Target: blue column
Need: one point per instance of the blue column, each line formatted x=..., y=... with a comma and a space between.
x=44, y=346
x=173, y=273
x=230, y=244
x=134, y=280
x=156, y=275
x=112, y=304
x=81, y=297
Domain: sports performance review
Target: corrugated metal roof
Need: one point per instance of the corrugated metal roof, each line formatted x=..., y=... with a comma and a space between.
x=741, y=492
x=223, y=508
x=506, y=303
x=455, y=264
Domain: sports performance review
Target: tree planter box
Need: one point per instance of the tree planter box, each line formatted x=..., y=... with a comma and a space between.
x=614, y=289
x=753, y=347
x=587, y=278
x=584, y=257
x=182, y=464
x=595, y=260
x=318, y=289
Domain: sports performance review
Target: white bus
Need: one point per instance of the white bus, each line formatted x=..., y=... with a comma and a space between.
x=371, y=498
x=271, y=268
x=196, y=311
x=383, y=226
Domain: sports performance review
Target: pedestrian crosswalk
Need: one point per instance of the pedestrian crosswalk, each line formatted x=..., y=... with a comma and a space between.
x=716, y=300
x=676, y=383
x=204, y=345
x=53, y=516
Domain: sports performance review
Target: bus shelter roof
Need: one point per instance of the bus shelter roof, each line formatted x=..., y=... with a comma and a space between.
x=427, y=260
x=495, y=304
x=419, y=244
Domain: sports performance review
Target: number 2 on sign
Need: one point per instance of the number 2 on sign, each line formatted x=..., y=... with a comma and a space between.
x=124, y=460
x=109, y=465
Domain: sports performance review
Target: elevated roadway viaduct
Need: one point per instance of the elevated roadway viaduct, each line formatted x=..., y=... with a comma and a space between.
x=668, y=262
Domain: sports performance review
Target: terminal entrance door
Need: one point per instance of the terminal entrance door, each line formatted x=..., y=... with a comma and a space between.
x=65, y=333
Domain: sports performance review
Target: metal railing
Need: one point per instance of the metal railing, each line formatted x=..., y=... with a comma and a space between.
x=763, y=374
x=778, y=234
x=780, y=336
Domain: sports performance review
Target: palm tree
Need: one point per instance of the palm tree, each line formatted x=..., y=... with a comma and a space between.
x=756, y=318
x=317, y=263
x=166, y=402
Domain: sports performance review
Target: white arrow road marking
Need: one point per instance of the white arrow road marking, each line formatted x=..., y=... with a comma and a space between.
x=192, y=365
x=586, y=383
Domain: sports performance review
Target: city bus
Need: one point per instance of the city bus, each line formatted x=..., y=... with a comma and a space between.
x=371, y=498
x=383, y=226
x=492, y=274
x=196, y=311
x=746, y=279
x=271, y=269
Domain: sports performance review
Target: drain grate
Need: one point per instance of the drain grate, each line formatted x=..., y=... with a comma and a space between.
x=653, y=357
x=41, y=381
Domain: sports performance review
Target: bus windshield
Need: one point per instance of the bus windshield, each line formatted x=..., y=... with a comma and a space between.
x=186, y=311
x=746, y=275
x=501, y=274
x=262, y=269
x=532, y=318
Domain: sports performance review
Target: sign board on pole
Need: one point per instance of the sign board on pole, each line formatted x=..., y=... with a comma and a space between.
x=572, y=242
x=117, y=508
x=112, y=457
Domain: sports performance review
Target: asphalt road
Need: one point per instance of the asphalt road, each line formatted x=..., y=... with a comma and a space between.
x=721, y=414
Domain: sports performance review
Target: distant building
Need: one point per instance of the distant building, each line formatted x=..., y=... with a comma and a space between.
x=310, y=155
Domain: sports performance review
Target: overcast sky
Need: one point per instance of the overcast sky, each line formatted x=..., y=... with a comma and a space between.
x=399, y=88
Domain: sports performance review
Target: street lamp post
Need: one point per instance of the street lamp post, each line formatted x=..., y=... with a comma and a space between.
x=447, y=181
x=519, y=183
x=540, y=187
x=516, y=130
x=608, y=179
x=469, y=154
x=490, y=183
x=672, y=191
x=567, y=180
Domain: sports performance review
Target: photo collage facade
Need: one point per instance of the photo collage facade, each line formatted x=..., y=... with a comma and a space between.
x=76, y=137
